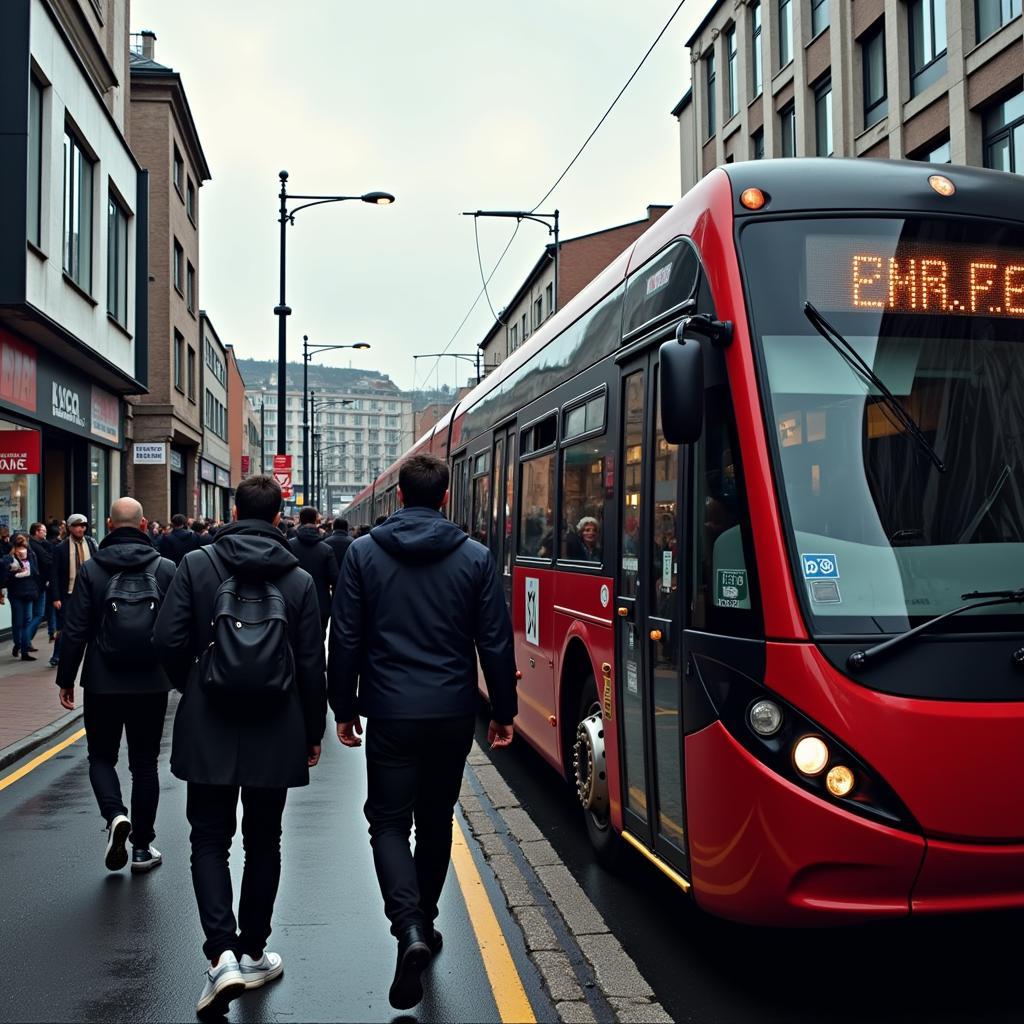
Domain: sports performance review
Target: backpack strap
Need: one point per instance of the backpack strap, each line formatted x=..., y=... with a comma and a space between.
x=207, y=549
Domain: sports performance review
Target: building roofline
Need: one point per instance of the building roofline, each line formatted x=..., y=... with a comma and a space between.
x=683, y=103
x=172, y=78
x=704, y=23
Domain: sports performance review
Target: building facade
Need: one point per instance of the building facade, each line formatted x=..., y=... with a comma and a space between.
x=937, y=80
x=216, y=486
x=579, y=261
x=166, y=142
x=72, y=255
x=244, y=432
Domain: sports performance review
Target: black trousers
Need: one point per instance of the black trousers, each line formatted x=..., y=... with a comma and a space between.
x=141, y=717
x=414, y=772
x=213, y=814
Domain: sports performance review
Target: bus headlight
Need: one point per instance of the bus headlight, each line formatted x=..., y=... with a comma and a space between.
x=810, y=755
x=839, y=780
x=765, y=717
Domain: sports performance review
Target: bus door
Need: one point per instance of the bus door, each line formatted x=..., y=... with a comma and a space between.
x=648, y=611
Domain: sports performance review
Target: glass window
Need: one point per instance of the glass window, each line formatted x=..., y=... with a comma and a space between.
x=99, y=490
x=821, y=15
x=35, y=162
x=179, y=361
x=661, y=284
x=583, y=496
x=77, y=212
x=191, y=373
x=993, y=14
x=632, y=481
x=541, y=435
x=757, y=74
x=732, y=69
x=785, y=32
x=179, y=171
x=873, y=55
x=190, y=288
x=536, y=508
x=179, y=267
x=117, y=261
x=549, y=292
x=1004, y=135
x=510, y=484
x=190, y=201
x=709, y=70
x=481, y=500
x=513, y=338
x=823, y=118
x=787, y=124
x=927, y=20
x=757, y=144
x=937, y=153
x=523, y=330
x=497, y=516
x=538, y=312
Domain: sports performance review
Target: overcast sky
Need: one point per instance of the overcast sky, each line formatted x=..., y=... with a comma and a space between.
x=451, y=106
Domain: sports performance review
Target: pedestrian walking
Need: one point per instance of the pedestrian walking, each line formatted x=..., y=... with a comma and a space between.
x=417, y=603
x=43, y=550
x=250, y=720
x=69, y=556
x=318, y=559
x=22, y=585
x=180, y=541
x=109, y=627
x=339, y=540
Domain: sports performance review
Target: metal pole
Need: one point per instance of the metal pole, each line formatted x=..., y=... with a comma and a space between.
x=312, y=467
x=554, y=290
x=263, y=434
x=282, y=312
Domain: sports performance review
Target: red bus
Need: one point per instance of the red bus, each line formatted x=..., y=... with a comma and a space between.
x=758, y=497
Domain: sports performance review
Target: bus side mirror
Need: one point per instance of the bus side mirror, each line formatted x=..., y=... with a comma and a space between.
x=682, y=388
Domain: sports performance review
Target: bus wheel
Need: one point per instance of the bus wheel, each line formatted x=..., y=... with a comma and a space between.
x=590, y=777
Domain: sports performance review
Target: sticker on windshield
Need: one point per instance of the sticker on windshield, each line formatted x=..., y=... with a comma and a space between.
x=820, y=567
x=731, y=590
x=824, y=591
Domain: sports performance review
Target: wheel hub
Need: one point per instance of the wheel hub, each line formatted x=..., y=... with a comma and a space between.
x=589, y=766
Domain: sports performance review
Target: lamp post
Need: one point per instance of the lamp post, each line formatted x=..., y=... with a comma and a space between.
x=320, y=469
x=540, y=218
x=472, y=357
x=282, y=310
x=314, y=408
x=308, y=351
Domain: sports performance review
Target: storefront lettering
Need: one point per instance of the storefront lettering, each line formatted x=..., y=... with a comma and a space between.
x=17, y=374
x=66, y=405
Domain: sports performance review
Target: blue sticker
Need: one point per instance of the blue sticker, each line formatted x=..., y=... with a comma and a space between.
x=820, y=567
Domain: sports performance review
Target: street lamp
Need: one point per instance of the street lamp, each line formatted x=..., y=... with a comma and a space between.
x=282, y=309
x=308, y=351
x=473, y=357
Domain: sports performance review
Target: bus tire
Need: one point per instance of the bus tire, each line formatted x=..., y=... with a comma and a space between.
x=588, y=775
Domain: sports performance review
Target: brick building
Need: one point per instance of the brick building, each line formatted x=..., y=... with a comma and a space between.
x=166, y=142
x=580, y=259
x=938, y=80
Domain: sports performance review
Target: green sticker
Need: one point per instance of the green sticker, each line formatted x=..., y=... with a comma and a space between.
x=731, y=590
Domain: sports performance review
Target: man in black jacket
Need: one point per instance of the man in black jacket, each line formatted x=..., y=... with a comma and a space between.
x=68, y=558
x=180, y=541
x=417, y=603
x=317, y=558
x=222, y=745
x=339, y=540
x=43, y=550
x=119, y=696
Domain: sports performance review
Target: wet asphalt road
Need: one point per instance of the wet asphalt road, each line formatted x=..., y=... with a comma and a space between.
x=713, y=972
x=81, y=944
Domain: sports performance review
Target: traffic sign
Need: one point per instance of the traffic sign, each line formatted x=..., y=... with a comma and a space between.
x=283, y=474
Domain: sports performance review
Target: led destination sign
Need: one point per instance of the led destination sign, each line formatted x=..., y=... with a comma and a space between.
x=867, y=275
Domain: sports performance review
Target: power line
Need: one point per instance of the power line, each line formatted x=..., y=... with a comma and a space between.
x=480, y=264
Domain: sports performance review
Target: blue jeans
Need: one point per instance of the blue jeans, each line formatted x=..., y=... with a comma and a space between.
x=51, y=619
x=38, y=614
x=21, y=620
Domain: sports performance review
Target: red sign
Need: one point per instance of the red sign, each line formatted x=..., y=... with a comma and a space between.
x=283, y=474
x=17, y=372
x=246, y=463
x=19, y=451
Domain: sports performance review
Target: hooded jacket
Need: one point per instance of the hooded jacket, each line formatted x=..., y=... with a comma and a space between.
x=178, y=543
x=123, y=550
x=339, y=542
x=319, y=560
x=236, y=743
x=417, y=603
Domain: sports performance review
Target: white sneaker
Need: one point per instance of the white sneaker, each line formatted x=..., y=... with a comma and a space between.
x=145, y=860
x=224, y=982
x=117, y=836
x=259, y=972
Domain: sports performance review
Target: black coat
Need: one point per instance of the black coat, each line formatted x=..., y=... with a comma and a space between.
x=339, y=542
x=43, y=550
x=61, y=572
x=122, y=550
x=178, y=543
x=416, y=603
x=233, y=744
x=24, y=588
x=319, y=560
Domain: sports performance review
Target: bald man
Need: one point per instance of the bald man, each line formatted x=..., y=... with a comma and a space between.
x=109, y=625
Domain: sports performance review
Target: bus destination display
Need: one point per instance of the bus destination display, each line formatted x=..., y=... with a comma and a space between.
x=871, y=274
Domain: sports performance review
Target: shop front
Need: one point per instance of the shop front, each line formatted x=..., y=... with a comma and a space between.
x=215, y=491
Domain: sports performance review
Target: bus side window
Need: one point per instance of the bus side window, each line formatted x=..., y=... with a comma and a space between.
x=481, y=510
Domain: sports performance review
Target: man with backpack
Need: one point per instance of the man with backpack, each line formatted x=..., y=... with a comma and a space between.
x=250, y=720
x=110, y=624
x=416, y=605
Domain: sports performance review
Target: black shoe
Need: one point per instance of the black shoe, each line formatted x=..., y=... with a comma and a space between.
x=33, y=650
x=413, y=956
x=15, y=652
x=435, y=941
x=27, y=657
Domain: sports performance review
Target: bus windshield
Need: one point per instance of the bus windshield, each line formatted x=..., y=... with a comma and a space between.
x=884, y=532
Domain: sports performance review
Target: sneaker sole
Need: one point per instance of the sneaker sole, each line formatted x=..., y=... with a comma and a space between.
x=407, y=989
x=144, y=866
x=117, y=855
x=271, y=975
x=221, y=1000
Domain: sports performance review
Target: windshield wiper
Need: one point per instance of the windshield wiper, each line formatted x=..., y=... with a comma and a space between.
x=860, y=659
x=853, y=360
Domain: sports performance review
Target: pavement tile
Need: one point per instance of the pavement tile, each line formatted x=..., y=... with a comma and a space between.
x=497, y=790
x=558, y=975
x=513, y=884
x=575, y=1013
x=493, y=845
x=540, y=853
x=616, y=973
x=572, y=902
x=635, y=1011
x=471, y=804
x=536, y=930
x=480, y=824
x=521, y=825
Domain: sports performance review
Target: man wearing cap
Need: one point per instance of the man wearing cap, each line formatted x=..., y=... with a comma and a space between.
x=71, y=554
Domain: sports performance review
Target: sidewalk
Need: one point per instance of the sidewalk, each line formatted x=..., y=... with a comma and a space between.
x=29, y=710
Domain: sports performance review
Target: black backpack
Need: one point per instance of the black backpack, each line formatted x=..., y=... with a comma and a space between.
x=131, y=603
x=250, y=654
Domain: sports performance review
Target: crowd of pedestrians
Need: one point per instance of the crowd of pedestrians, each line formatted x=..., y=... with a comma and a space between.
x=234, y=618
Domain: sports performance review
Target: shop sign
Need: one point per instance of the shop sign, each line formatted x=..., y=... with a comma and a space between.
x=223, y=478
x=149, y=454
x=283, y=474
x=66, y=404
x=246, y=462
x=177, y=462
x=17, y=373
x=19, y=451
x=106, y=416
x=207, y=471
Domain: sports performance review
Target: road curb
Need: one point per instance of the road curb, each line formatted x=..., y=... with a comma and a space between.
x=588, y=974
x=17, y=750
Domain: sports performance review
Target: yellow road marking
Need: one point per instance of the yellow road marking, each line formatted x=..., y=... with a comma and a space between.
x=507, y=986
x=9, y=780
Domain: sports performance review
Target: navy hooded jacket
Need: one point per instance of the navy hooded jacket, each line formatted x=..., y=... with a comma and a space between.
x=417, y=602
